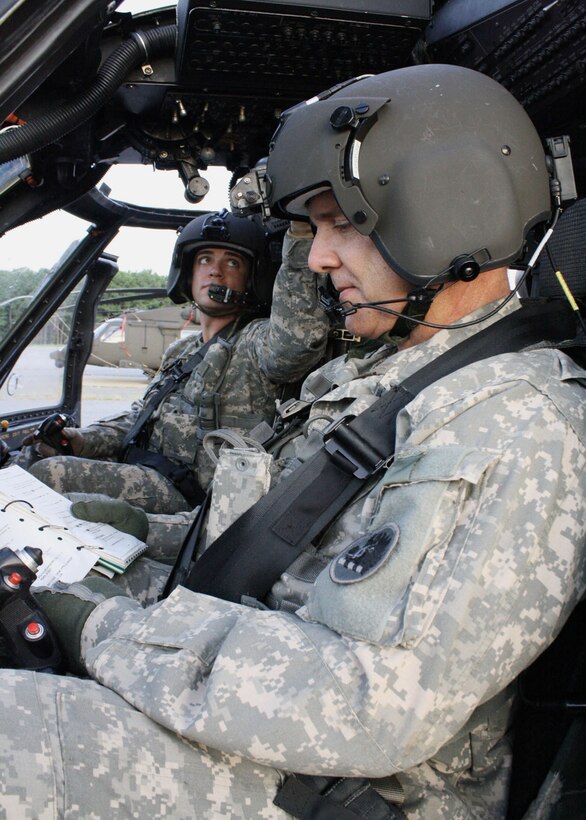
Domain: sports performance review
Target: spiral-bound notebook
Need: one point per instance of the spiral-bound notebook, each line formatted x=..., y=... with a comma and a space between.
x=32, y=514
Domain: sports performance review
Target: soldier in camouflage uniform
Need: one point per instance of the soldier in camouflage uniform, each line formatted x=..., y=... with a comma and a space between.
x=404, y=675
x=235, y=386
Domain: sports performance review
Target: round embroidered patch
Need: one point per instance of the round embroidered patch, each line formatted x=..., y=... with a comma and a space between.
x=364, y=556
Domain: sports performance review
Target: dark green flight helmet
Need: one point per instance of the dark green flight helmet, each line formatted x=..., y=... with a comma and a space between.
x=438, y=164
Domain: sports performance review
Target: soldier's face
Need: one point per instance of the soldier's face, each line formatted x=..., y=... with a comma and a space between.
x=218, y=266
x=357, y=270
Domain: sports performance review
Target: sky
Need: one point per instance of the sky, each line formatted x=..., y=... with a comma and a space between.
x=41, y=243
x=135, y=6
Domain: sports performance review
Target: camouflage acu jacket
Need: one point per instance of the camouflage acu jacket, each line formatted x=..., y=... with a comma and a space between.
x=240, y=378
x=408, y=670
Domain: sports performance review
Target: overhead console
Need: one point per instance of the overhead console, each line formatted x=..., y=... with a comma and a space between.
x=536, y=49
x=239, y=63
x=211, y=91
x=280, y=50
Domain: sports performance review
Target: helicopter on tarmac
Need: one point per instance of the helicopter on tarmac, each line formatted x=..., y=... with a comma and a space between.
x=137, y=338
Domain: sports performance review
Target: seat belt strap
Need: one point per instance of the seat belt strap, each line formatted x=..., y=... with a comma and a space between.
x=309, y=797
x=185, y=555
x=179, y=475
x=254, y=551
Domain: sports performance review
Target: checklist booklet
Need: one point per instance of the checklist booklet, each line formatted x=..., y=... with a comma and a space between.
x=34, y=515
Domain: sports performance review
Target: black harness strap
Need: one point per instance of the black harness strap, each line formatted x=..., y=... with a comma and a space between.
x=309, y=797
x=253, y=552
x=185, y=555
x=176, y=374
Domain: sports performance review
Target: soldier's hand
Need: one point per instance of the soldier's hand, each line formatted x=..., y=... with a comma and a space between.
x=301, y=230
x=119, y=514
x=75, y=438
x=44, y=450
x=68, y=606
x=40, y=449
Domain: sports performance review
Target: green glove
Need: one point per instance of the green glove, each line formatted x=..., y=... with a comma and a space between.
x=120, y=514
x=68, y=607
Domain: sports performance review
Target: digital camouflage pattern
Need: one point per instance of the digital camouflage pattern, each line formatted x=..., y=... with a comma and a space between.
x=410, y=670
x=166, y=534
x=113, y=762
x=236, y=386
x=241, y=478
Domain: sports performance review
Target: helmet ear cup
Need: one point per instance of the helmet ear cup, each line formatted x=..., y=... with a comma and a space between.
x=263, y=276
x=261, y=286
x=179, y=276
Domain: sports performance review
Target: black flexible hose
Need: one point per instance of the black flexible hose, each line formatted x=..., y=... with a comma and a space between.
x=49, y=127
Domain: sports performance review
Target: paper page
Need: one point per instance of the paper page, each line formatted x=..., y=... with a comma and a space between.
x=64, y=556
x=17, y=484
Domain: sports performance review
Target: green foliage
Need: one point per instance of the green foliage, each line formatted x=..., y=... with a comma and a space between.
x=20, y=281
x=16, y=285
x=140, y=279
x=130, y=280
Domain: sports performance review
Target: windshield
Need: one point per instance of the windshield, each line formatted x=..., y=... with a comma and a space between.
x=143, y=185
x=28, y=254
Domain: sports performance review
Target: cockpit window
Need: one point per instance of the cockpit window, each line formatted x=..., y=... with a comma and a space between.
x=28, y=255
x=144, y=185
x=136, y=6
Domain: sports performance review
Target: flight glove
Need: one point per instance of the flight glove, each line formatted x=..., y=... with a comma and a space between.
x=68, y=606
x=119, y=514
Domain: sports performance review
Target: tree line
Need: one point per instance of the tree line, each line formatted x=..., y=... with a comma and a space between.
x=18, y=287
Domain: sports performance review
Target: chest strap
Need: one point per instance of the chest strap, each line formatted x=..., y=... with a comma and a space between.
x=174, y=376
x=260, y=545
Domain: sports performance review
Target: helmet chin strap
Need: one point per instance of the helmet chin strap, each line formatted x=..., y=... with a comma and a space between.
x=213, y=311
x=420, y=296
x=229, y=301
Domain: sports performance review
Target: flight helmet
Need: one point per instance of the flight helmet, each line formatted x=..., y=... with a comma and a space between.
x=224, y=230
x=438, y=164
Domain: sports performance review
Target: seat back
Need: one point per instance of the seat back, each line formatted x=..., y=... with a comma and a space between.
x=550, y=727
x=567, y=250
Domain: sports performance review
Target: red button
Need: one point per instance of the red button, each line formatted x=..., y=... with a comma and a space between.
x=34, y=631
x=15, y=578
